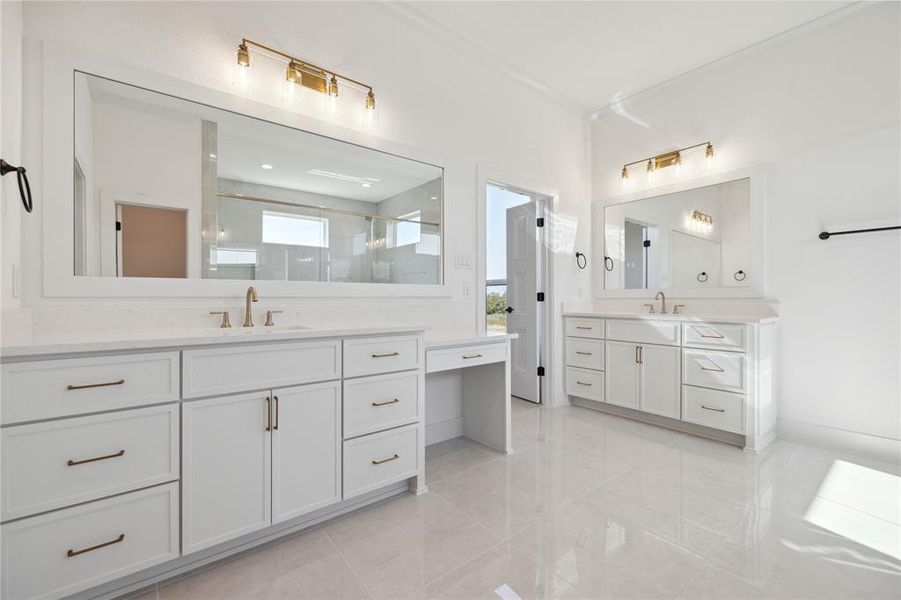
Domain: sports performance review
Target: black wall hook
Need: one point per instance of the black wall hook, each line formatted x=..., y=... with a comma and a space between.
x=24, y=188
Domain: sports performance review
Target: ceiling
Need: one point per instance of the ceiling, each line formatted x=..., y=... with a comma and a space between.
x=593, y=53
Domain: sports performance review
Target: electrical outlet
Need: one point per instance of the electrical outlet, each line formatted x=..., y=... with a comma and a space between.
x=467, y=290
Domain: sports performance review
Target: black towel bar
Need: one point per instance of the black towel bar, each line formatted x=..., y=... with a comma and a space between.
x=825, y=235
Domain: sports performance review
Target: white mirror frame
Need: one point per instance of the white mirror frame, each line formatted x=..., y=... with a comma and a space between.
x=756, y=287
x=57, y=198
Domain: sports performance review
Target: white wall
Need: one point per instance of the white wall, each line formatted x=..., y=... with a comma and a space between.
x=11, y=209
x=430, y=95
x=822, y=108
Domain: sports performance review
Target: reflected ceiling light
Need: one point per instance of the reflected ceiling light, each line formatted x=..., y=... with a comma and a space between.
x=343, y=177
x=366, y=184
x=667, y=159
x=433, y=198
x=701, y=220
x=266, y=166
x=300, y=73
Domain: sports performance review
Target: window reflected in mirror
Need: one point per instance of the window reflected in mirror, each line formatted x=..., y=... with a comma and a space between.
x=165, y=187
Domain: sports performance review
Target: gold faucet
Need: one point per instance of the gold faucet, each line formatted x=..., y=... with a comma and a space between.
x=251, y=296
x=662, y=297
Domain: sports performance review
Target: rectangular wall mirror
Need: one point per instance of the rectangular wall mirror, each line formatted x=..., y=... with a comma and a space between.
x=166, y=187
x=697, y=238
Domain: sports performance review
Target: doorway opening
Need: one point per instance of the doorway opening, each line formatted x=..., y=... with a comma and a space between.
x=151, y=241
x=515, y=276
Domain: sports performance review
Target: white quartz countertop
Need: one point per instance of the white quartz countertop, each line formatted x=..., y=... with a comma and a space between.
x=682, y=317
x=118, y=341
x=450, y=339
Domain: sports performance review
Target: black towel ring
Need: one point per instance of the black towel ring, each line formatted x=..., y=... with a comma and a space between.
x=24, y=188
x=702, y=276
x=581, y=260
x=608, y=264
x=739, y=275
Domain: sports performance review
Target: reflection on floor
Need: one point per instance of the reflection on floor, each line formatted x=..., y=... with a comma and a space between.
x=595, y=506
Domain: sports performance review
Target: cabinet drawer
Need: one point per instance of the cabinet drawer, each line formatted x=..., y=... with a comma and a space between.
x=447, y=359
x=56, y=388
x=587, y=354
x=380, y=402
x=214, y=371
x=646, y=332
x=714, y=335
x=370, y=356
x=585, y=384
x=713, y=408
x=60, y=463
x=63, y=552
x=586, y=328
x=380, y=459
x=720, y=370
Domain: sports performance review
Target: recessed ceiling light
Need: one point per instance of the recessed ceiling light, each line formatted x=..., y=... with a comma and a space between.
x=433, y=198
x=212, y=155
x=343, y=177
x=266, y=166
x=366, y=184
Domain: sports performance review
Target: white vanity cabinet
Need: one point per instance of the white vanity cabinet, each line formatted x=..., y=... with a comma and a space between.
x=713, y=378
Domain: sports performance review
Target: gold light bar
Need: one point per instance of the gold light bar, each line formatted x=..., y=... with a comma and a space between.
x=667, y=159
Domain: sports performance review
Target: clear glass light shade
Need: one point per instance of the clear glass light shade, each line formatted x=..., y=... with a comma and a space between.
x=242, y=77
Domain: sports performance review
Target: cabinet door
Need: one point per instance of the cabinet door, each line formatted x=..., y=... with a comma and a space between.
x=306, y=449
x=226, y=476
x=660, y=380
x=622, y=374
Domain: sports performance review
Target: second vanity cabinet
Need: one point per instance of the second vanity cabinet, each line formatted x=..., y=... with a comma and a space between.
x=643, y=377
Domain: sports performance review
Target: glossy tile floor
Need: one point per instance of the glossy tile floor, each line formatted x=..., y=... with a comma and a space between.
x=595, y=506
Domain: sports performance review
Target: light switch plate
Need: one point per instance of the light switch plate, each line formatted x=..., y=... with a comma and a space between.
x=463, y=261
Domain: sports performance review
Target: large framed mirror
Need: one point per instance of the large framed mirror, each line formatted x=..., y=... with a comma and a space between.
x=164, y=187
x=702, y=239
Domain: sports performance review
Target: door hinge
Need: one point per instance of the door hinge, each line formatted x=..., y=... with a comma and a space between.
x=646, y=243
x=118, y=225
x=540, y=222
x=541, y=371
x=541, y=296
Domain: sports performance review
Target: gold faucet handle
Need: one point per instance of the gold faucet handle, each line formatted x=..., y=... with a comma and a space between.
x=225, y=323
x=676, y=308
x=650, y=308
x=269, y=322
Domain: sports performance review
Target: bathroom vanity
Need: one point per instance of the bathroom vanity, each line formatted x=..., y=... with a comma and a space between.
x=709, y=377
x=133, y=460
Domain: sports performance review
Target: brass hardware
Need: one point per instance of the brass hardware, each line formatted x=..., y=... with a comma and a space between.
x=717, y=368
x=72, y=553
x=306, y=73
x=639, y=354
x=268, y=413
x=703, y=335
x=386, y=355
x=250, y=296
x=651, y=310
x=468, y=356
x=583, y=383
x=72, y=463
x=269, y=322
x=275, y=427
x=225, y=323
x=386, y=402
x=95, y=385
x=583, y=353
x=662, y=297
x=719, y=410
x=667, y=159
x=702, y=219
x=676, y=308
x=384, y=460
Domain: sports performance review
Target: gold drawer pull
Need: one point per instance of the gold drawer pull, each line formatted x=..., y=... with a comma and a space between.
x=467, y=356
x=386, y=355
x=72, y=463
x=386, y=402
x=719, y=410
x=715, y=336
x=583, y=353
x=583, y=383
x=582, y=327
x=384, y=460
x=72, y=553
x=716, y=368
x=93, y=385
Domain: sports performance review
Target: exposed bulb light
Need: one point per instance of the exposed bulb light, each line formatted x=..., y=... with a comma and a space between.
x=671, y=158
x=701, y=221
x=650, y=165
x=293, y=83
x=333, y=87
x=677, y=162
x=242, y=77
x=369, y=113
x=332, y=91
x=266, y=166
x=370, y=101
x=709, y=158
x=625, y=174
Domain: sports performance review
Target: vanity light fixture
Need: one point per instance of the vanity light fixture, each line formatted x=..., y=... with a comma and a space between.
x=667, y=159
x=299, y=74
x=702, y=220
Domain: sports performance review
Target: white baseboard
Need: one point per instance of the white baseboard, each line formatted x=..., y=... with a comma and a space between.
x=840, y=439
x=445, y=430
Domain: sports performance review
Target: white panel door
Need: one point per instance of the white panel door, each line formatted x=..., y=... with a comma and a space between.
x=660, y=380
x=623, y=376
x=522, y=292
x=306, y=449
x=226, y=476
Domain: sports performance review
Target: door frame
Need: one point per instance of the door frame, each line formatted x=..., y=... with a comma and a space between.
x=547, y=348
